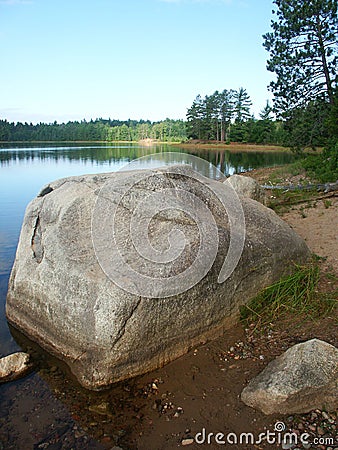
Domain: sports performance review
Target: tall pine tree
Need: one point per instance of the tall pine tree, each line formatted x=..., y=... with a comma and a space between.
x=303, y=52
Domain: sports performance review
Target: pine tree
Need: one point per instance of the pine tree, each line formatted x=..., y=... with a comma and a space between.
x=242, y=105
x=303, y=52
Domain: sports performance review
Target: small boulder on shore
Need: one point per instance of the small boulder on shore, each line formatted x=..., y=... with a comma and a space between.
x=14, y=366
x=303, y=378
x=247, y=187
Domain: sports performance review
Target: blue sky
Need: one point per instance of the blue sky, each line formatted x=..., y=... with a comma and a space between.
x=74, y=59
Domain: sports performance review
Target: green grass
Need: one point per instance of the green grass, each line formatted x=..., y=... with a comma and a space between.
x=279, y=175
x=318, y=167
x=281, y=200
x=294, y=295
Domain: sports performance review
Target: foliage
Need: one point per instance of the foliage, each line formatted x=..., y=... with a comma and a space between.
x=225, y=116
x=323, y=167
x=306, y=127
x=303, y=52
x=210, y=117
x=295, y=294
x=242, y=105
x=266, y=113
x=94, y=130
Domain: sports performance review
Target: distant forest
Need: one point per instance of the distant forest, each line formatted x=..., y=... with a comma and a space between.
x=203, y=127
x=95, y=130
x=222, y=116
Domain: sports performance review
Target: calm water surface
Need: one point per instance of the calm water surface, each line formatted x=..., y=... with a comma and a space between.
x=24, y=170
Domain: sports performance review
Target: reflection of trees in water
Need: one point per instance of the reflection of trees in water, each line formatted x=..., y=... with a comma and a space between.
x=97, y=154
x=229, y=163
x=226, y=161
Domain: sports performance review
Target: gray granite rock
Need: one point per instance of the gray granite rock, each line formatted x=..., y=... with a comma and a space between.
x=14, y=366
x=303, y=378
x=73, y=288
x=247, y=187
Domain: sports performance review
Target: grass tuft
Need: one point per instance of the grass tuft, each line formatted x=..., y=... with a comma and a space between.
x=295, y=295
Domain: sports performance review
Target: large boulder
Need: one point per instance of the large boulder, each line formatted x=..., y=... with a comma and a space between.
x=113, y=308
x=303, y=378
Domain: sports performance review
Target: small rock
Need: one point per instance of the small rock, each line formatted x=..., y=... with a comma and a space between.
x=295, y=381
x=78, y=434
x=188, y=441
x=320, y=431
x=14, y=366
x=325, y=415
x=178, y=412
x=247, y=187
x=101, y=409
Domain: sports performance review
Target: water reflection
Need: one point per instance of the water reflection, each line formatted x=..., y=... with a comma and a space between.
x=226, y=161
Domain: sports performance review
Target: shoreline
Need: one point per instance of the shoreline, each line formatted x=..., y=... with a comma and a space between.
x=233, y=147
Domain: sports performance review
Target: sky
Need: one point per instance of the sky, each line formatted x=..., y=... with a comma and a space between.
x=140, y=59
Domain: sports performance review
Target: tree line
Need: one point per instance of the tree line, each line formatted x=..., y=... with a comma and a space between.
x=94, y=130
x=226, y=116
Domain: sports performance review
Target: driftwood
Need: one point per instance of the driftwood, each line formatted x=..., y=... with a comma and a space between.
x=327, y=187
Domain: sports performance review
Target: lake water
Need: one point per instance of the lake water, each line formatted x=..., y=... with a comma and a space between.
x=25, y=169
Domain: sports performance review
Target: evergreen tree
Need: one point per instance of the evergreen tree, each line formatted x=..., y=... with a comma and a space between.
x=266, y=113
x=303, y=52
x=227, y=110
x=195, y=115
x=242, y=105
